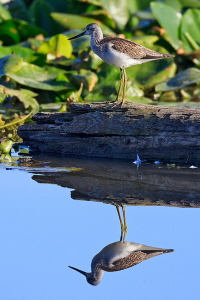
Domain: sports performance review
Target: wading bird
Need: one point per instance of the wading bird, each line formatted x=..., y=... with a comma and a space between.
x=119, y=256
x=119, y=52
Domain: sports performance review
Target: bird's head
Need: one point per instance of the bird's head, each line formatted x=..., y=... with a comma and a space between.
x=89, y=276
x=89, y=30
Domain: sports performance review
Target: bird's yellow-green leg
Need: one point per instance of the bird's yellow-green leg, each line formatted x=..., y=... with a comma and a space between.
x=124, y=85
x=120, y=85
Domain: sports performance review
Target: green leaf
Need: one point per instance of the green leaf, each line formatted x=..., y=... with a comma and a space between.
x=10, y=64
x=78, y=22
x=103, y=16
x=39, y=78
x=94, y=2
x=5, y=146
x=25, y=96
x=1, y=121
x=17, y=9
x=39, y=12
x=176, y=4
x=136, y=5
x=190, y=3
x=118, y=9
x=4, y=13
x=75, y=95
x=81, y=43
x=187, y=77
x=2, y=99
x=148, y=74
x=88, y=78
x=146, y=40
x=23, y=52
x=13, y=125
x=63, y=61
x=58, y=46
x=9, y=33
x=169, y=18
x=138, y=99
x=26, y=30
x=190, y=25
x=105, y=89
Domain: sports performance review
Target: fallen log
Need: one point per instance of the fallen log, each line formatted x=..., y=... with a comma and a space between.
x=104, y=130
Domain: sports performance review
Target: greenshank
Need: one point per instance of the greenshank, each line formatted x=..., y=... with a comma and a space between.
x=119, y=256
x=119, y=52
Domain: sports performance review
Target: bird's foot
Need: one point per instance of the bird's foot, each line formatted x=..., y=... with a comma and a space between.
x=116, y=103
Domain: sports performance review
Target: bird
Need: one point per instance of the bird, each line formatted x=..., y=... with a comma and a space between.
x=118, y=52
x=119, y=256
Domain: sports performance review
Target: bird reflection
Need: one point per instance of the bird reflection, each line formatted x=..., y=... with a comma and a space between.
x=119, y=255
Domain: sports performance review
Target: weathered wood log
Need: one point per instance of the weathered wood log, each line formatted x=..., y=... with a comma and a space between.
x=101, y=130
x=119, y=181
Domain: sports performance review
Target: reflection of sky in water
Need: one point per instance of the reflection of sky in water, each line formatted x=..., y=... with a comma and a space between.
x=43, y=231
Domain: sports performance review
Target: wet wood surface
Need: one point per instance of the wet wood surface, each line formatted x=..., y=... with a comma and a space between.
x=104, y=130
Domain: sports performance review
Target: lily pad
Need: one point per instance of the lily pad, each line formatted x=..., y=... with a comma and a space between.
x=169, y=18
x=105, y=88
x=146, y=40
x=39, y=11
x=9, y=33
x=39, y=78
x=27, y=30
x=25, y=96
x=23, y=52
x=137, y=5
x=81, y=43
x=79, y=22
x=118, y=9
x=190, y=25
x=4, y=13
x=10, y=64
x=148, y=74
x=190, y=3
x=56, y=47
x=187, y=77
x=88, y=78
x=103, y=16
x=5, y=146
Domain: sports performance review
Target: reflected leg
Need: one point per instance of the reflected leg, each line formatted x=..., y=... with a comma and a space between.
x=125, y=227
x=123, y=224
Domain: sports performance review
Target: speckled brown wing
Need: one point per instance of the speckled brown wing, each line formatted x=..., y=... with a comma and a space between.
x=131, y=260
x=134, y=50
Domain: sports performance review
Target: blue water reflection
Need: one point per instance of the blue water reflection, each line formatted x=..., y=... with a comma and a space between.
x=43, y=231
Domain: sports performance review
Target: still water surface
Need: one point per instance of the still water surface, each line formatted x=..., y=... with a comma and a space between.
x=55, y=212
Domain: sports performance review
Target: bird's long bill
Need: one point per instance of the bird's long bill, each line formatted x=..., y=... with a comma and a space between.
x=82, y=272
x=77, y=36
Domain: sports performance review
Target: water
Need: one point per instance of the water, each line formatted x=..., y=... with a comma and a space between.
x=44, y=227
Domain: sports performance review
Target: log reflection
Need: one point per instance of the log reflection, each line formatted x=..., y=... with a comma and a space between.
x=120, y=182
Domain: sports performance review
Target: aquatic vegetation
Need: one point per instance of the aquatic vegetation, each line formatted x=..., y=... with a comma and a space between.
x=41, y=69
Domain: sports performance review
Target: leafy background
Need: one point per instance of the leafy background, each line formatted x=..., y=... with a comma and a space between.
x=41, y=70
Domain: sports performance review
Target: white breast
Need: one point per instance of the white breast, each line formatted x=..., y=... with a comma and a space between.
x=116, y=58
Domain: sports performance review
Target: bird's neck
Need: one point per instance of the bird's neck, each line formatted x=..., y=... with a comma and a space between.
x=96, y=37
x=97, y=274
